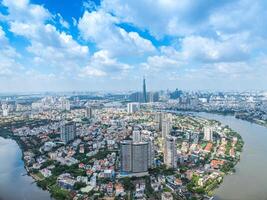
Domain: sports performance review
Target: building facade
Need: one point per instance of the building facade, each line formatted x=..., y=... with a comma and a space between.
x=134, y=156
x=139, y=157
x=68, y=132
x=144, y=91
x=126, y=156
x=89, y=112
x=170, y=152
x=133, y=107
x=208, y=134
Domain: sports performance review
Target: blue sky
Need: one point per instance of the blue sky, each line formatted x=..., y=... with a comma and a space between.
x=60, y=45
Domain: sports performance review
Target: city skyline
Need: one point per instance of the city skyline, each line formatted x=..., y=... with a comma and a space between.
x=79, y=145
x=133, y=99
x=110, y=45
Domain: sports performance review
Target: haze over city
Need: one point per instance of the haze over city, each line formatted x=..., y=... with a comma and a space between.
x=110, y=45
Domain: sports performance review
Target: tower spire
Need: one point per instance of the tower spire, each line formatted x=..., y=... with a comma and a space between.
x=144, y=90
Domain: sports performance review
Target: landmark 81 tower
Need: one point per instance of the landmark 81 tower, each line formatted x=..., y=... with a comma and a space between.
x=144, y=91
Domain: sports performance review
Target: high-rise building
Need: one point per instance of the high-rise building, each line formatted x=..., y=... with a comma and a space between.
x=176, y=94
x=208, y=133
x=64, y=103
x=151, y=152
x=5, y=110
x=136, y=97
x=136, y=136
x=166, y=124
x=166, y=128
x=144, y=91
x=140, y=157
x=89, y=112
x=151, y=149
x=68, y=132
x=158, y=119
x=152, y=96
x=133, y=107
x=134, y=156
x=170, y=152
x=126, y=156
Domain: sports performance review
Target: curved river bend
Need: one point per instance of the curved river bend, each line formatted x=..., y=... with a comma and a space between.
x=15, y=184
x=248, y=183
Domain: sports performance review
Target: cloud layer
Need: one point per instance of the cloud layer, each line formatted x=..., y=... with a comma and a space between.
x=111, y=45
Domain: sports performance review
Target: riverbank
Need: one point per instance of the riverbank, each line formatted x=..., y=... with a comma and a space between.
x=251, y=170
x=51, y=188
x=225, y=113
x=14, y=182
x=36, y=179
x=214, y=176
x=6, y=133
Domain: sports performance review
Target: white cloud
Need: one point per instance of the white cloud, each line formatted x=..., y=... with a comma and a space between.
x=74, y=21
x=36, y=75
x=24, y=11
x=100, y=27
x=49, y=46
x=167, y=60
x=63, y=22
x=205, y=39
x=103, y=64
x=92, y=72
x=52, y=47
x=59, y=43
x=19, y=4
x=8, y=56
x=186, y=17
x=96, y=25
x=3, y=38
x=161, y=17
x=242, y=15
x=228, y=49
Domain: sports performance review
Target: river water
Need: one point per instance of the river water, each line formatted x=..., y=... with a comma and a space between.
x=250, y=180
x=14, y=183
x=248, y=183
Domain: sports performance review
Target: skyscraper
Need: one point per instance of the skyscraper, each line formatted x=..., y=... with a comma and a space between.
x=144, y=91
x=166, y=128
x=126, y=156
x=5, y=110
x=140, y=157
x=134, y=156
x=133, y=107
x=170, y=152
x=151, y=153
x=68, y=132
x=136, y=136
x=158, y=119
x=137, y=155
x=89, y=112
x=208, y=133
x=166, y=124
x=64, y=104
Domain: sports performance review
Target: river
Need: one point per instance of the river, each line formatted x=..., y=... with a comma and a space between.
x=250, y=180
x=248, y=183
x=15, y=184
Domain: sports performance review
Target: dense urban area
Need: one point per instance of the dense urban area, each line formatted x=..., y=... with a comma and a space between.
x=141, y=145
x=137, y=145
x=133, y=100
